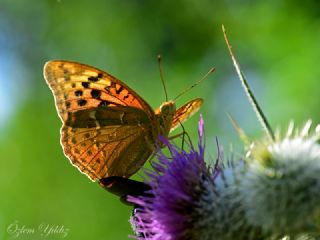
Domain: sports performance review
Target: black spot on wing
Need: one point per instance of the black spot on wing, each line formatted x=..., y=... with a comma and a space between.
x=68, y=104
x=104, y=104
x=107, y=88
x=111, y=86
x=119, y=90
x=82, y=102
x=95, y=93
x=78, y=93
x=93, y=79
x=61, y=65
x=85, y=84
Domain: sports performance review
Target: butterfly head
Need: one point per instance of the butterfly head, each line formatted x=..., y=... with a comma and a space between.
x=168, y=108
x=166, y=114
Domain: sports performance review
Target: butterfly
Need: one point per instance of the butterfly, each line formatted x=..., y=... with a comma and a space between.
x=108, y=129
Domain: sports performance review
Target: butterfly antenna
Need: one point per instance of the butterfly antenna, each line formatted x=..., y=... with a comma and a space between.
x=261, y=117
x=161, y=76
x=196, y=83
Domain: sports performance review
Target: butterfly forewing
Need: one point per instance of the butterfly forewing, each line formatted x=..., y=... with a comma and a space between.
x=77, y=86
x=185, y=112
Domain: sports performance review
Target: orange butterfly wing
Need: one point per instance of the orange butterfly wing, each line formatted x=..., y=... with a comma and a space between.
x=185, y=112
x=77, y=86
x=108, y=128
x=103, y=154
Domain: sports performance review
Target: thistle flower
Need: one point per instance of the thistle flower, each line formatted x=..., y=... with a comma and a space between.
x=280, y=187
x=168, y=210
x=188, y=199
x=273, y=193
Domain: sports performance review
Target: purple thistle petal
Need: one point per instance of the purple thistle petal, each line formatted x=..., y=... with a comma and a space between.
x=201, y=127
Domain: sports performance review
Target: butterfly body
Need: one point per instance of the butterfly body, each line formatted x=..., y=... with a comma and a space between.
x=165, y=115
x=108, y=129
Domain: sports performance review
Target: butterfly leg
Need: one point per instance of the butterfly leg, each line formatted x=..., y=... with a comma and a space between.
x=183, y=133
x=176, y=136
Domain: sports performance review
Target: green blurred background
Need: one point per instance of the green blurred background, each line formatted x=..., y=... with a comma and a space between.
x=276, y=42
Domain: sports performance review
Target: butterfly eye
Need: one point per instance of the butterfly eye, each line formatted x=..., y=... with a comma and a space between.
x=167, y=108
x=164, y=110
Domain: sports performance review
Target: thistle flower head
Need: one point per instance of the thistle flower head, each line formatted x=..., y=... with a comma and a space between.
x=190, y=200
x=273, y=193
x=170, y=209
x=280, y=187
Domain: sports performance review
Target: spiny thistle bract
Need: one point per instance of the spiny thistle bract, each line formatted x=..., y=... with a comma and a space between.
x=272, y=194
x=280, y=187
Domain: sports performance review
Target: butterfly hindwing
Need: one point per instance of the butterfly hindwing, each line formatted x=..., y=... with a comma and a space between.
x=103, y=142
x=117, y=150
